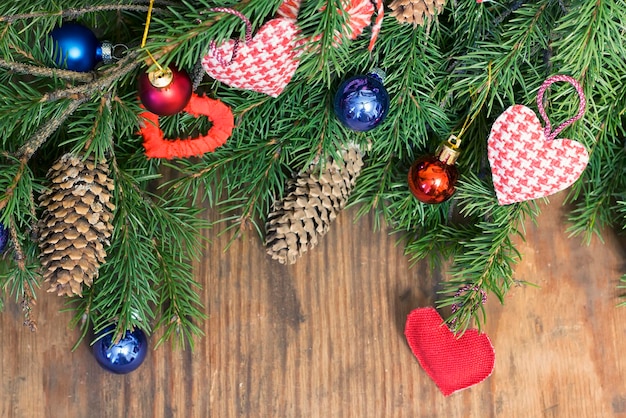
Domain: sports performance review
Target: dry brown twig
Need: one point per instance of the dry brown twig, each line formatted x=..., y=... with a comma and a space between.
x=27, y=303
x=74, y=13
x=29, y=69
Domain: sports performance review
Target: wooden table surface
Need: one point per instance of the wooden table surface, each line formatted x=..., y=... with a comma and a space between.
x=324, y=338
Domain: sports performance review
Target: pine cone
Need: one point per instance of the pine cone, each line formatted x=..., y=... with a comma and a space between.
x=75, y=224
x=415, y=11
x=313, y=200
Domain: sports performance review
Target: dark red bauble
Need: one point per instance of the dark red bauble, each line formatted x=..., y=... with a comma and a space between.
x=165, y=92
x=432, y=180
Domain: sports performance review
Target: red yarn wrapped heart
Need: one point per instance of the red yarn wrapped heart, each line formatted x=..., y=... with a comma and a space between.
x=217, y=112
x=452, y=363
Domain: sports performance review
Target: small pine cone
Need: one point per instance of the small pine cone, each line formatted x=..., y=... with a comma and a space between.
x=415, y=11
x=75, y=224
x=313, y=200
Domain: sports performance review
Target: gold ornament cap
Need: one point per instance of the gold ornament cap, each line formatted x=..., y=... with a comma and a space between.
x=448, y=151
x=161, y=77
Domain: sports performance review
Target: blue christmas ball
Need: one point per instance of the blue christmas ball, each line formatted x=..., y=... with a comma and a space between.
x=361, y=102
x=123, y=356
x=76, y=48
x=4, y=238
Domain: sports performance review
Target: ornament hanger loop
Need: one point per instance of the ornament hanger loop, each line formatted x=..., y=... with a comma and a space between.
x=212, y=45
x=550, y=135
x=454, y=142
x=119, y=51
x=112, y=53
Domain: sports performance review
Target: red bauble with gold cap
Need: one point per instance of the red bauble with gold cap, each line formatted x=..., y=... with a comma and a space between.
x=165, y=91
x=432, y=178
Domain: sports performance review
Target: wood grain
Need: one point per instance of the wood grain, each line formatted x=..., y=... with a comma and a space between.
x=324, y=338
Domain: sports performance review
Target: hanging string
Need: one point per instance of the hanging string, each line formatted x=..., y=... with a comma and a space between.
x=464, y=127
x=145, y=34
x=471, y=117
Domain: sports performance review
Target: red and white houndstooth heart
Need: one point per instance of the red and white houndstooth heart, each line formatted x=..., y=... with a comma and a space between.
x=527, y=162
x=265, y=63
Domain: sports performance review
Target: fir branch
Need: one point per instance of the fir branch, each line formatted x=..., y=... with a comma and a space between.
x=414, y=110
x=31, y=146
x=594, y=210
x=486, y=257
x=581, y=51
x=105, y=104
x=27, y=303
x=73, y=13
x=17, y=248
x=129, y=299
x=21, y=277
x=93, y=130
x=485, y=87
x=109, y=77
x=17, y=202
x=81, y=308
x=475, y=60
x=15, y=180
x=325, y=54
x=180, y=299
x=38, y=71
x=150, y=257
x=195, y=27
x=254, y=203
x=19, y=282
x=370, y=194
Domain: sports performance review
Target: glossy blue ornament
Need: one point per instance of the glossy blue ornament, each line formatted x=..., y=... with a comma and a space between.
x=4, y=238
x=361, y=102
x=76, y=48
x=123, y=356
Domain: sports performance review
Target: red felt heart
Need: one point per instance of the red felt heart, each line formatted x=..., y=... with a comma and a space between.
x=452, y=363
x=266, y=64
x=524, y=164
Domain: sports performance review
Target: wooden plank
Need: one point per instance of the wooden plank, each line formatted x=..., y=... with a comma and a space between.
x=324, y=338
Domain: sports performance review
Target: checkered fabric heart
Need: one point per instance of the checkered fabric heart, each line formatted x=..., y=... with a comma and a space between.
x=526, y=161
x=265, y=64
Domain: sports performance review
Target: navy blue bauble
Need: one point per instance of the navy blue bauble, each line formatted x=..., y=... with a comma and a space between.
x=125, y=355
x=4, y=238
x=76, y=48
x=361, y=102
